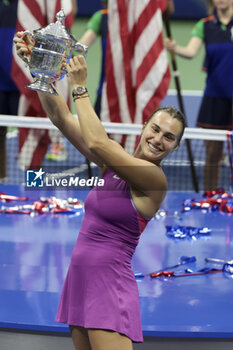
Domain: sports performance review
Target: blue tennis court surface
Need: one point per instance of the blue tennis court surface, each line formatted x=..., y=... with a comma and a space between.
x=35, y=253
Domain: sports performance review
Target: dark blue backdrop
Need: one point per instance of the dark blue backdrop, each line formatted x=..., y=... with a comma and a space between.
x=183, y=8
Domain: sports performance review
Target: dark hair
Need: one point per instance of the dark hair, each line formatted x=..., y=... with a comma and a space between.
x=174, y=113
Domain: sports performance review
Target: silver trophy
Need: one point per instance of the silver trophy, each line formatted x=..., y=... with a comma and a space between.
x=53, y=46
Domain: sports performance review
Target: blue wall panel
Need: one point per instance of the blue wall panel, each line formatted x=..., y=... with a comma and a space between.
x=183, y=8
x=190, y=9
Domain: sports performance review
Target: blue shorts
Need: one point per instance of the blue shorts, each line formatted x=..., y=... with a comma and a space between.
x=215, y=113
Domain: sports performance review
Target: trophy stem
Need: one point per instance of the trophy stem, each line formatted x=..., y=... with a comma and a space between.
x=43, y=83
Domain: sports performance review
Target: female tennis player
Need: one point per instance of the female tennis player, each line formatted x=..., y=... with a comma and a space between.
x=215, y=32
x=100, y=300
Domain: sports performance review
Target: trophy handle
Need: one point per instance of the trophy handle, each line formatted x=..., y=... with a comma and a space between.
x=30, y=34
x=81, y=48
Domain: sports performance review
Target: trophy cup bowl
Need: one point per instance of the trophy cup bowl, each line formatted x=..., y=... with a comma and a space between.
x=53, y=47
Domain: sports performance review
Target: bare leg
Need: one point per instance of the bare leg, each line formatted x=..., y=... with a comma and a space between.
x=214, y=150
x=108, y=340
x=80, y=338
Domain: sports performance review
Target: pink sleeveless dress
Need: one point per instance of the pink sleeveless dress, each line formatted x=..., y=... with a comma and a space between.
x=100, y=290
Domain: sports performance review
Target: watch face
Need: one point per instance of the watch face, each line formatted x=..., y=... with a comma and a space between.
x=80, y=89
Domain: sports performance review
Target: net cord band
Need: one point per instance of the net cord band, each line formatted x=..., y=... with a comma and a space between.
x=119, y=128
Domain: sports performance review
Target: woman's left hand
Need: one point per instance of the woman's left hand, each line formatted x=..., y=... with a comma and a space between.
x=24, y=45
x=77, y=71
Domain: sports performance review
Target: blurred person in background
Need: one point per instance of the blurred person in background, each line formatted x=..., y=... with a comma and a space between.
x=98, y=26
x=216, y=33
x=57, y=150
x=9, y=93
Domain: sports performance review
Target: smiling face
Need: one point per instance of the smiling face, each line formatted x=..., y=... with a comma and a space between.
x=160, y=137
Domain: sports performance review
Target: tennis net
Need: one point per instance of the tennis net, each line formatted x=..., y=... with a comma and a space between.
x=176, y=166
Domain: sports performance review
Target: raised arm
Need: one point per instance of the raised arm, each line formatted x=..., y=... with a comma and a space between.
x=140, y=173
x=60, y=115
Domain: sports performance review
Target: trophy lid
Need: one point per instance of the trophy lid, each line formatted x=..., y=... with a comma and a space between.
x=57, y=29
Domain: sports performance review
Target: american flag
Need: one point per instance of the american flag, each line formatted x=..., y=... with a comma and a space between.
x=34, y=14
x=137, y=69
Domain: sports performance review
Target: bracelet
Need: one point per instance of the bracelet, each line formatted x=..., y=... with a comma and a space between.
x=77, y=97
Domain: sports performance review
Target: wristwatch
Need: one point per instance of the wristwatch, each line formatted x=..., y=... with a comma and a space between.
x=79, y=91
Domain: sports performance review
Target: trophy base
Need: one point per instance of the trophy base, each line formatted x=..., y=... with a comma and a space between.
x=43, y=84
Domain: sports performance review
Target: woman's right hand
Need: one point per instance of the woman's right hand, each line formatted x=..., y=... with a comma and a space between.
x=169, y=44
x=24, y=45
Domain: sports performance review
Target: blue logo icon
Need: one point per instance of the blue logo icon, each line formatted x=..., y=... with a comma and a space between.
x=35, y=178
